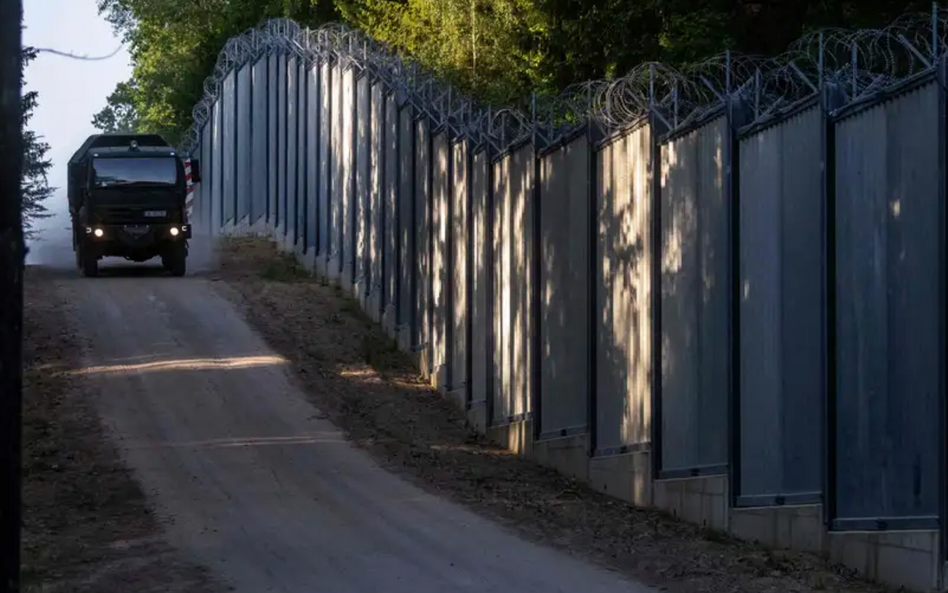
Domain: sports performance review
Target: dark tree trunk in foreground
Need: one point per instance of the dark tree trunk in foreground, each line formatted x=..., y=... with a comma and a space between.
x=11, y=294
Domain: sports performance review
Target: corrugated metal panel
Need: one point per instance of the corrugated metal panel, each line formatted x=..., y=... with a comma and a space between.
x=439, y=262
x=459, y=257
x=890, y=309
x=480, y=290
x=272, y=137
x=695, y=300
x=390, y=196
x=229, y=155
x=259, y=131
x=564, y=303
x=312, y=161
x=282, y=205
x=376, y=211
x=623, y=355
x=421, y=230
x=406, y=218
x=360, y=203
x=325, y=158
x=348, y=187
x=500, y=292
x=781, y=255
x=217, y=168
x=292, y=148
x=244, y=143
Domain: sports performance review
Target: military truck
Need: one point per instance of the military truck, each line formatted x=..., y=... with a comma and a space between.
x=127, y=197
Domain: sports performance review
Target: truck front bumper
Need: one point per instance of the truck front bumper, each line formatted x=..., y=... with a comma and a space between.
x=138, y=235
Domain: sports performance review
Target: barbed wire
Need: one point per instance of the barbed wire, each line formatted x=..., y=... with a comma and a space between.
x=856, y=62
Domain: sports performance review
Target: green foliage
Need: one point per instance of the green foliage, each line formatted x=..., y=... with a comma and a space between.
x=34, y=184
x=499, y=50
x=120, y=113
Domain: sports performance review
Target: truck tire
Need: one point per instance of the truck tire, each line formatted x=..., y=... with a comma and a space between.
x=176, y=262
x=90, y=264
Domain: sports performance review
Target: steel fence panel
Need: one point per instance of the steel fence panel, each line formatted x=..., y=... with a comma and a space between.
x=217, y=169
x=782, y=285
x=500, y=293
x=564, y=306
x=459, y=310
x=623, y=289
x=890, y=310
x=243, y=141
x=481, y=291
x=312, y=163
x=406, y=221
x=207, y=185
x=325, y=162
x=273, y=184
x=695, y=305
x=390, y=197
x=283, y=211
x=338, y=177
x=259, y=129
x=513, y=189
x=292, y=150
x=302, y=158
x=361, y=214
x=348, y=182
x=376, y=212
x=521, y=235
x=229, y=155
x=422, y=192
x=440, y=187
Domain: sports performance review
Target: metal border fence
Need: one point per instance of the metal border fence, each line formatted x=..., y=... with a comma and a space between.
x=734, y=270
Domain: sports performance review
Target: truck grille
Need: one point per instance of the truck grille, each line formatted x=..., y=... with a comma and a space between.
x=134, y=215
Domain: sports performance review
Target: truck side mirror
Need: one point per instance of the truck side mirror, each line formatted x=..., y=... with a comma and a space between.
x=195, y=170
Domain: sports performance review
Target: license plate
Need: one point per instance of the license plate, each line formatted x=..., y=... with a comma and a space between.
x=156, y=213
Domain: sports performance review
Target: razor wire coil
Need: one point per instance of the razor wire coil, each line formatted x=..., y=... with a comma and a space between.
x=857, y=62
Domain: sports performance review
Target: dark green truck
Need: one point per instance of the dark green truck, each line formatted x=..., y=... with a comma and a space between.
x=127, y=197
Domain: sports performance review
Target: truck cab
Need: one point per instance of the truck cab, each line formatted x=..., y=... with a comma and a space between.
x=127, y=197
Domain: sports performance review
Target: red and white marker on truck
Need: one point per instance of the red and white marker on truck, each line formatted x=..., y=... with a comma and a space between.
x=189, y=200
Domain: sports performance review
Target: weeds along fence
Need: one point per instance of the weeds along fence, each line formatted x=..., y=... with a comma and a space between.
x=736, y=269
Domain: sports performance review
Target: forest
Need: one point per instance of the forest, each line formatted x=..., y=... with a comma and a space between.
x=497, y=50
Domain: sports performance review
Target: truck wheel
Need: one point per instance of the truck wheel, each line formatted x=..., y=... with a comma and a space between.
x=176, y=262
x=90, y=265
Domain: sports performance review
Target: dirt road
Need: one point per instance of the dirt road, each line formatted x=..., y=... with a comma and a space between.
x=254, y=483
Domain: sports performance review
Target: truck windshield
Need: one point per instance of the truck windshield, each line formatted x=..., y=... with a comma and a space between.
x=110, y=172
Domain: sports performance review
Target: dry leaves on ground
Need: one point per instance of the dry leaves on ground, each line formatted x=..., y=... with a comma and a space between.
x=355, y=375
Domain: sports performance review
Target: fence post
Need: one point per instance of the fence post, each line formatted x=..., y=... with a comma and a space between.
x=657, y=129
x=491, y=278
x=737, y=117
x=829, y=100
x=469, y=275
x=942, y=74
x=592, y=262
x=536, y=253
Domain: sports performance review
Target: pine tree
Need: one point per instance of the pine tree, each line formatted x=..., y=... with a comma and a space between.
x=34, y=183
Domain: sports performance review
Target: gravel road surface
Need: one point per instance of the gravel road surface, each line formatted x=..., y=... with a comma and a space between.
x=253, y=482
